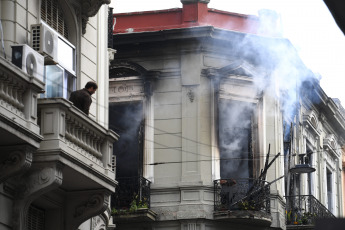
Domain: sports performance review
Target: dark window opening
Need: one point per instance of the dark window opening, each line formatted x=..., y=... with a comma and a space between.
x=329, y=190
x=127, y=120
x=236, y=139
x=35, y=218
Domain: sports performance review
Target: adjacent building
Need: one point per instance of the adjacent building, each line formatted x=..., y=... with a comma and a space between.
x=222, y=125
x=56, y=165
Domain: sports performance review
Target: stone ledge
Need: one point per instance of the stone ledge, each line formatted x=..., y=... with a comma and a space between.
x=247, y=217
x=140, y=215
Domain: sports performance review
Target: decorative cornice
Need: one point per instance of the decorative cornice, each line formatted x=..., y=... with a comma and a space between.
x=89, y=8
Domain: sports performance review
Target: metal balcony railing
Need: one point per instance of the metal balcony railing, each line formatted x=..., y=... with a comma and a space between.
x=131, y=191
x=304, y=209
x=241, y=194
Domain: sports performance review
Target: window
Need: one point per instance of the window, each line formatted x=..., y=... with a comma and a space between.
x=236, y=138
x=329, y=189
x=60, y=76
x=128, y=121
x=53, y=15
x=59, y=82
x=35, y=218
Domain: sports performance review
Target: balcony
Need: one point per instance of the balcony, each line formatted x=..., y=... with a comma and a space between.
x=83, y=146
x=242, y=201
x=19, y=130
x=131, y=201
x=302, y=211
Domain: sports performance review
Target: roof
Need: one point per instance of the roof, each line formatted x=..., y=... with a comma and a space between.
x=191, y=15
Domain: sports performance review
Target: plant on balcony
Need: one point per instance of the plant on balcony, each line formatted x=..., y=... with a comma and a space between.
x=288, y=217
x=247, y=205
x=307, y=218
x=135, y=205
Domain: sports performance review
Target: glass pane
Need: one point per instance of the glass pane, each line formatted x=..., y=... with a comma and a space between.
x=54, y=76
x=69, y=82
x=66, y=55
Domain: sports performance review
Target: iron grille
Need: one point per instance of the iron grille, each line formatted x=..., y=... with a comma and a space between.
x=131, y=189
x=35, y=218
x=241, y=194
x=305, y=209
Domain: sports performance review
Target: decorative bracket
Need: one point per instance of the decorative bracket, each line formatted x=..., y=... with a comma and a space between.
x=38, y=181
x=17, y=160
x=81, y=206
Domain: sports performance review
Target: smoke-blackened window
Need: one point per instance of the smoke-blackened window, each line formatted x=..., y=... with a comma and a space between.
x=236, y=135
x=127, y=120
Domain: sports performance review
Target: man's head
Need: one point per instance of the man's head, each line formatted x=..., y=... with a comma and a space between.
x=91, y=86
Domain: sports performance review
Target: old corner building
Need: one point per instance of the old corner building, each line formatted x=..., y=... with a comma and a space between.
x=221, y=124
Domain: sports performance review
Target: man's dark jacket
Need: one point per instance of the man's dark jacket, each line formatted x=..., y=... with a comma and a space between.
x=82, y=100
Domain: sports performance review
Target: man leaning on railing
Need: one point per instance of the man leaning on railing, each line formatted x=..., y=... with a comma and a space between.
x=82, y=98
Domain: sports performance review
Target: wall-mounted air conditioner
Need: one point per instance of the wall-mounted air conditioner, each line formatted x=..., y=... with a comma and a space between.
x=45, y=41
x=28, y=60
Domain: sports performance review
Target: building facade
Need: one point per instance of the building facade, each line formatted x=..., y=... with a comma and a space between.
x=56, y=167
x=216, y=114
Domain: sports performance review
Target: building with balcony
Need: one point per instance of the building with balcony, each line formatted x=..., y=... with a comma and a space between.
x=222, y=125
x=56, y=164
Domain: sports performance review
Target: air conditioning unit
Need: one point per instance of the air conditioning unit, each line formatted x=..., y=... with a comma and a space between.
x=28, y=60
x=44, y=40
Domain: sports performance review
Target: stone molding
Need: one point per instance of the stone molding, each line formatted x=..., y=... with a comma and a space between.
x=90, y=8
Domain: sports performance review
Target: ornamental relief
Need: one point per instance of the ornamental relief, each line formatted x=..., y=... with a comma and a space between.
x=126, y=91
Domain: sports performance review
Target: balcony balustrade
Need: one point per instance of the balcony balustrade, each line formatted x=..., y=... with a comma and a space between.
x=241, y=194
x=131, y=189
x=19, y=130
x=304, y=210
x=18, y=105
x=246, y=200
x=131, y=200
x=77, y=141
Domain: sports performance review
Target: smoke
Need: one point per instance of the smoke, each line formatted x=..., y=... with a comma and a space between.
x=126, y=120
x=278, y=72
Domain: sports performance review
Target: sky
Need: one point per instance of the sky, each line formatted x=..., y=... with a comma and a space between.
x=308, y=24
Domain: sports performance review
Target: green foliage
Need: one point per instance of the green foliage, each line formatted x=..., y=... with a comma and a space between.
x=134, y=206
x=246, y=205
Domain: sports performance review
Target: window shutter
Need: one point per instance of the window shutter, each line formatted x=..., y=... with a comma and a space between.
x=52, y=14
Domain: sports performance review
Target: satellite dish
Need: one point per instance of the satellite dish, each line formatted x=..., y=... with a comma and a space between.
x=31, y=64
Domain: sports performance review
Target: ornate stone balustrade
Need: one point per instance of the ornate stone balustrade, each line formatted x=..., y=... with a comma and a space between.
x=18, y=102
x=70, y=132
